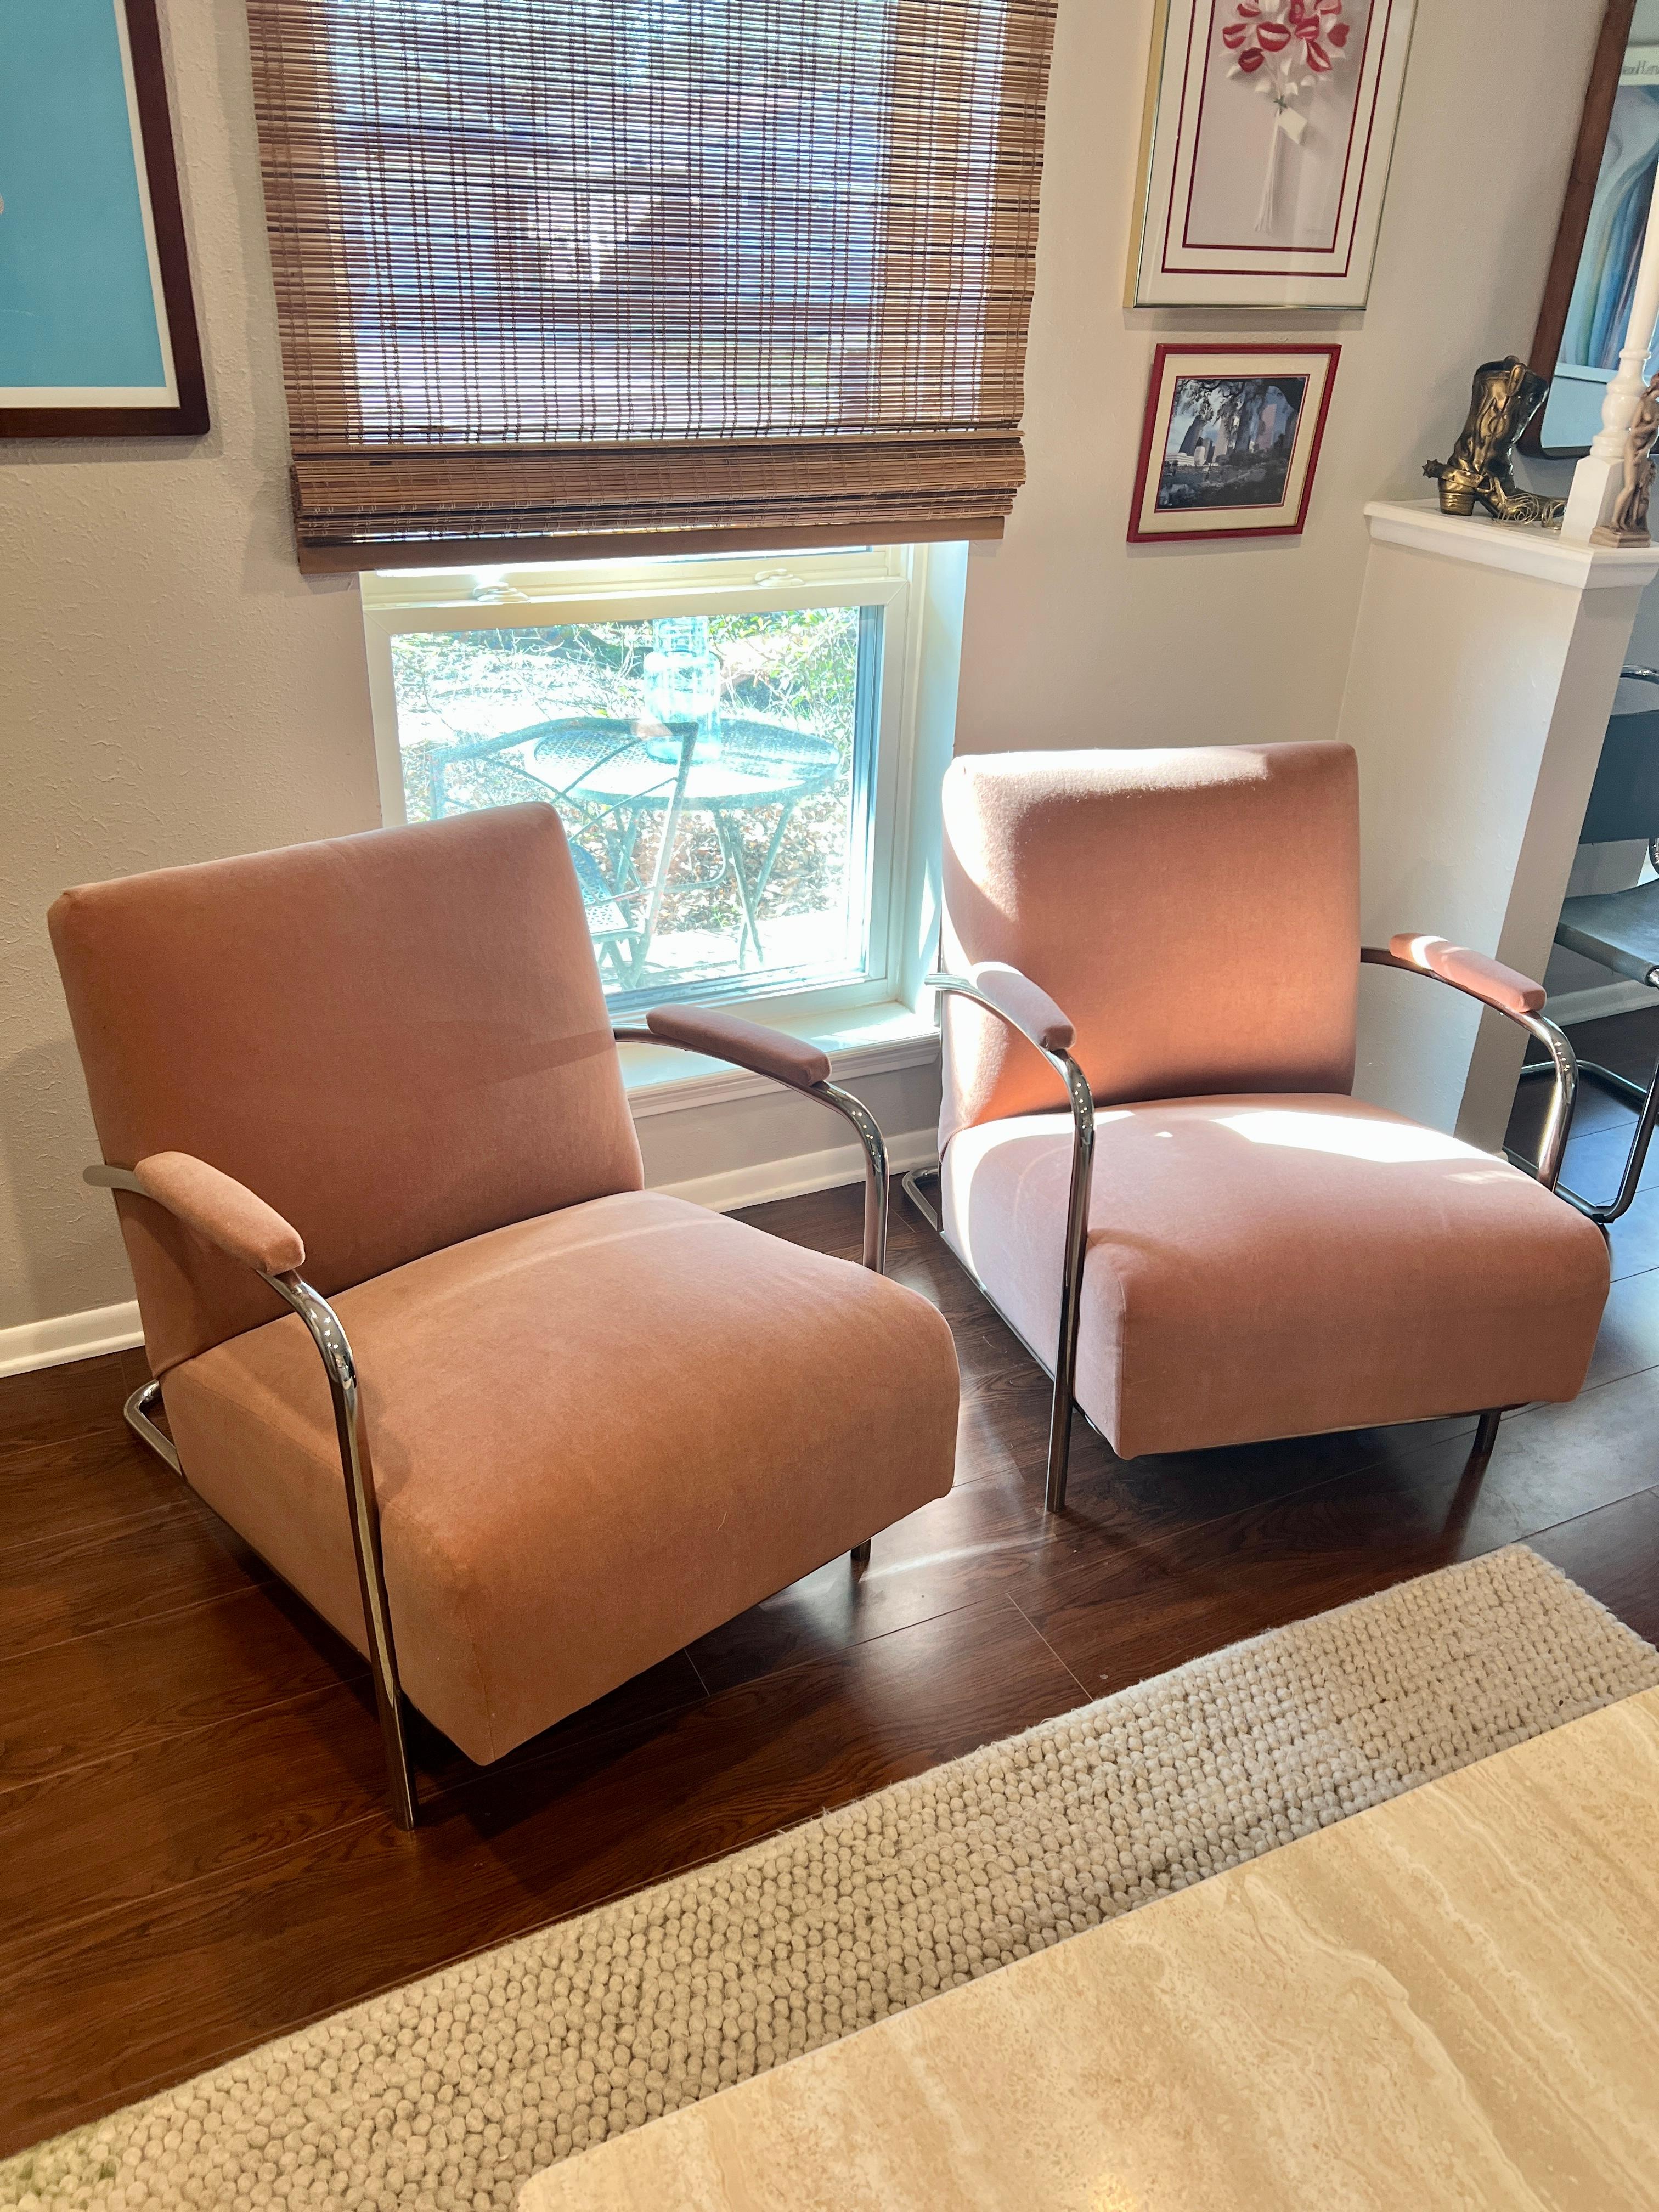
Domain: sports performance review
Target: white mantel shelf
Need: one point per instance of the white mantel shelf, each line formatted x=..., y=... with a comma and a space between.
x=1520, y=548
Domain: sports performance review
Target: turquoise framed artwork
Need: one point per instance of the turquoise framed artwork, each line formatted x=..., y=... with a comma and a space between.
x=98, y=333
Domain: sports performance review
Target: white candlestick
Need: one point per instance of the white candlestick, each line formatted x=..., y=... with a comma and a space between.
x=1598, y=476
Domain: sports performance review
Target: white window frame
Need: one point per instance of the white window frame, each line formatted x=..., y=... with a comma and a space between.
x=893, y=578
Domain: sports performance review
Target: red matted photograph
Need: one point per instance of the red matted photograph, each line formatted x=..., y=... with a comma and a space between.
x=1231, y=440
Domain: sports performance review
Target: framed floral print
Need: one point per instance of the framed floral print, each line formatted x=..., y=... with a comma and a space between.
x=1231, y=440
x=97, y=327
x=1269, y=129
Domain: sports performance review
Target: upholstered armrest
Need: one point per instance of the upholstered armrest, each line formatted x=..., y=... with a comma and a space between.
x=1023, y=1004
x=744, y=1044
x=1026, y=1003
x=1503, y=988
x=216, y=1205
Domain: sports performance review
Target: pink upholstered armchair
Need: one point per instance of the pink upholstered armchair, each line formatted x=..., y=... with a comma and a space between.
x=1211, y=1242
x=362, y=1100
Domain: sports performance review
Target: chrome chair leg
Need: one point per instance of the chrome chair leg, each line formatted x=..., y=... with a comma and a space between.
x=1071, y=1284
x=911, y=1186
x=364, y=1506
x=137, y=1413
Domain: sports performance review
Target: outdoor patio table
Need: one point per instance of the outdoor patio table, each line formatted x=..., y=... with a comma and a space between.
x=600, y=770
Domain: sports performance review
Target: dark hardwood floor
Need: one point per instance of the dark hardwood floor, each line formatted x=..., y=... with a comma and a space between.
x=193, y=1855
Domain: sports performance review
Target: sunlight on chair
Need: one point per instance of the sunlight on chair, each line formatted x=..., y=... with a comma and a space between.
x=1344, y=1134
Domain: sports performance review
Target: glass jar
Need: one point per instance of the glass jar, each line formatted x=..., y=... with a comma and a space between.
x=681, y=686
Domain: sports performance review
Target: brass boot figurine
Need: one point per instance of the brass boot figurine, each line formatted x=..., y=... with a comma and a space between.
x=1507, y=394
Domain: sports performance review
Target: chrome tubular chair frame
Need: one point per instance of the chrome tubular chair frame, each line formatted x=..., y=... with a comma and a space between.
x=1064, y=1367
x=1557, y=1128
x=1564, y=1061
x=352, y=1435
x=850, y=1109
x=334, y=1348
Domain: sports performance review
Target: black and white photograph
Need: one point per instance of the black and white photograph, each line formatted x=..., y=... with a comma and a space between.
x=1230, y=442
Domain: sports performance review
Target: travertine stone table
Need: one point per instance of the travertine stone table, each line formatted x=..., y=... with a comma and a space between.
x=1452, y=2000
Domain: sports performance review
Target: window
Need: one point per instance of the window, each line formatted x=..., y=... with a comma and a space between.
x=727, y=742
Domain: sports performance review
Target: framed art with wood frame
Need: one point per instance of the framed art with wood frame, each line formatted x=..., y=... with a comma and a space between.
x=1231, y=440
x=98, y=334
x=1265, y=149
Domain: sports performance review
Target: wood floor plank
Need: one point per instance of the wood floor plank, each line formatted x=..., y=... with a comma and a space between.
x=55, y=1405
x=1629, y=1337
x=162, y=1675
x=259, y=1783
x=270, y=1780
x=1144, y=1599
x=85, y=1579
x=1118, y=1616
x=109, y=1476
x=1614, y=1555
x=259, y=1950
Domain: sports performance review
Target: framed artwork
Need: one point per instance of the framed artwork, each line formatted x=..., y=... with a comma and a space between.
x=1231, y=440
x=1265, y=152
x=97, y=329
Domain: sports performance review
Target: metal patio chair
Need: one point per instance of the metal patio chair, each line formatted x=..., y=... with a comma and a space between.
x=1620, y=929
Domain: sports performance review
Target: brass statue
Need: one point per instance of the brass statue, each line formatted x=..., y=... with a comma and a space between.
x=1628, y=525
x=1507, y=394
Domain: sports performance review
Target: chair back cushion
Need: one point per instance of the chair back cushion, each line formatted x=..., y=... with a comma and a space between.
x=398, y=1040
x=1193, y=910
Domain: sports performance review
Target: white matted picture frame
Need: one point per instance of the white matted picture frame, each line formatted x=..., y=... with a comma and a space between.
x=1231, y=441
x=1269, y=129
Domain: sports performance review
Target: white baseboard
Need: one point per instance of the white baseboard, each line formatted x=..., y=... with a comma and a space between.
x=70, y=1336
x=115, y=1328
x=771, y=1179
x=1602, y=999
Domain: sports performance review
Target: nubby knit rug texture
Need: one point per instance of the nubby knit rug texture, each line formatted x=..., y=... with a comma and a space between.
x=452, y=2092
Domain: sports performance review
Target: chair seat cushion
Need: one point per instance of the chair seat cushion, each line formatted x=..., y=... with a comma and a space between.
x=1280, y=1265
x=596, y=1435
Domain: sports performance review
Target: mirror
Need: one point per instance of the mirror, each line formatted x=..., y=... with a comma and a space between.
x=1603, y=222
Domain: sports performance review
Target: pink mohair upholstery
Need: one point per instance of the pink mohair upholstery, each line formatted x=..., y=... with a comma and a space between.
x=397, y=1040
x=1280, y=1264
x=596, y=1437
x=1194, y=913
x=1267, y=1257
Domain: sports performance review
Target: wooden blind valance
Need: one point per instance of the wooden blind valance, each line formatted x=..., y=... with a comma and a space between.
x=566, y=278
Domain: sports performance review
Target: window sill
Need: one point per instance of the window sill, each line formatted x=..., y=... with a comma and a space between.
x=864, y=1041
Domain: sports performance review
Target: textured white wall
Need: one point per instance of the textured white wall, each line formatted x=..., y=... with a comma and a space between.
x=1071, y=636
x=171, y=689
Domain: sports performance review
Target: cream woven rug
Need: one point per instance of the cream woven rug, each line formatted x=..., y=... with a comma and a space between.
x=452, y=2092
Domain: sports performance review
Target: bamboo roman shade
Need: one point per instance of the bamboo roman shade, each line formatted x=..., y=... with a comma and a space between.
x=565, y=278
